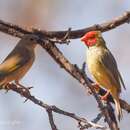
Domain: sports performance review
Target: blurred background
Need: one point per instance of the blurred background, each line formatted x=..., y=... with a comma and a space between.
x=51, y=83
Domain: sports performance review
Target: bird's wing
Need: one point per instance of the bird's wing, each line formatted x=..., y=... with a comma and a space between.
x=15, y=60
x=110, y=64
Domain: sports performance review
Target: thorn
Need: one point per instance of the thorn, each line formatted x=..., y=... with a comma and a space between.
x=30, y=88
x=83, y=67
x=79, y=124
x=25, y=100
x=76, y=66
x=6, y=91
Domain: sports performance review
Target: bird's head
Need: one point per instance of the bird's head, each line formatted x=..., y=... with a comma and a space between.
x=91, y=38
x=30, y=40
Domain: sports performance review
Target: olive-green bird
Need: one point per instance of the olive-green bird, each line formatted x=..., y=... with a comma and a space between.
x=102, y=65
x=19, y=61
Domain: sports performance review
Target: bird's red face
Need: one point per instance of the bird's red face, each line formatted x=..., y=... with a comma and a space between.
x=90, y=38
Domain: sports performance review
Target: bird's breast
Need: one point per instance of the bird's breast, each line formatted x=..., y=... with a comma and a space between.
x=93, y=60
x=94, y=64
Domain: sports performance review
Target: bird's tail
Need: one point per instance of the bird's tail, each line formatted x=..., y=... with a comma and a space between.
x=118, y=108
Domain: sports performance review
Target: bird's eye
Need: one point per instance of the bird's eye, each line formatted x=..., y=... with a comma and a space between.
x=31, y=39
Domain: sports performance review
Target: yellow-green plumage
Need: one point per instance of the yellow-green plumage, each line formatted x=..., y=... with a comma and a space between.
x=102, y=72
x=103, y=67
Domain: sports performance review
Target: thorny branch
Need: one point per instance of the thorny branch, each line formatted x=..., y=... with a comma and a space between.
x=50, y=47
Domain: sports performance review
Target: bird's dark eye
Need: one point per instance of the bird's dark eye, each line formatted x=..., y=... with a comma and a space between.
x=31, y=39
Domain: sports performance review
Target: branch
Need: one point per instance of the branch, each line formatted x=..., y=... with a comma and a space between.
x=18, y=31
x=51, y=108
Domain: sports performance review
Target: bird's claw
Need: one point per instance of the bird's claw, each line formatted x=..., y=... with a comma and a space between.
x=96, y=87
x=104, y=97
x=6, y=87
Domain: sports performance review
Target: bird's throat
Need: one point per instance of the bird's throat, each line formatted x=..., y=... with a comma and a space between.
x=91, y=42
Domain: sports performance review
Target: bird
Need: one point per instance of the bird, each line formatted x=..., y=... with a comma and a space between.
x=103, y=67
x=19, y=61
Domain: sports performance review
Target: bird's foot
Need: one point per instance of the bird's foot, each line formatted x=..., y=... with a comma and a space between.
x=96, y=87
x=105, y=96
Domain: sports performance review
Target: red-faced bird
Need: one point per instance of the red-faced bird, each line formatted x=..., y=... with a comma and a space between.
x=103, y=67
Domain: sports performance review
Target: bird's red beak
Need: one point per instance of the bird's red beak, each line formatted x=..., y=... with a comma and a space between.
x=84, y=39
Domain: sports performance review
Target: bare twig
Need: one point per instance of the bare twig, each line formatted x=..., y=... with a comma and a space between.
x=50, y=108
x=51, y=120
